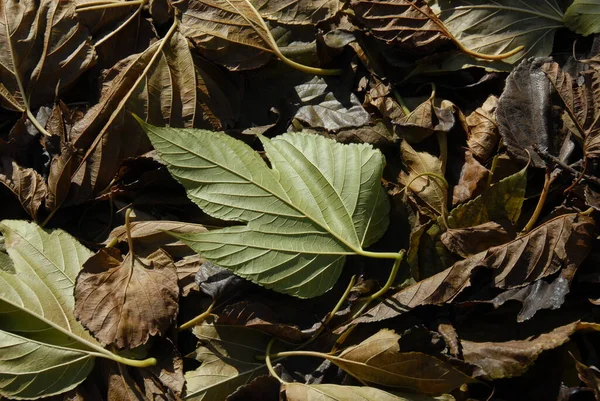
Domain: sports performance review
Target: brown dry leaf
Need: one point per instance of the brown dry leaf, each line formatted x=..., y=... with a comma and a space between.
x=160, y=85
x=233, y=33
x=187, y=268
x=29, y=76
x=151, y=235
x=258, y=316
x=378, y=360
x=562, y=242
x=427, y=189
x=581, y=99
x=498, y=360
x=334, y=392
x=473, y=177
x=407, y=23
x=590, y=375
x=124, y=301
x=481, y=128
x=431, y=116
x=25, y=183
x=471, y=240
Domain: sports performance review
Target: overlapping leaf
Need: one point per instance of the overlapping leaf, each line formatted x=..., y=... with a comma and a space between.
x=319, y=202
x=44, y=50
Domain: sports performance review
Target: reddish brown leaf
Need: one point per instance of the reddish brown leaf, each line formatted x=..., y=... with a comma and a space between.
x=124, y=301
x=473, y=177
x=471, y=240
x=482, y=131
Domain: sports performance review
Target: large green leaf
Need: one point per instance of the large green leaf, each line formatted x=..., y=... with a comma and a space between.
x=320, y=201
x=44, y=349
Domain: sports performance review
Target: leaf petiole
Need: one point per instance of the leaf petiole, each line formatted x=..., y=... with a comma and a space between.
x=198, y=319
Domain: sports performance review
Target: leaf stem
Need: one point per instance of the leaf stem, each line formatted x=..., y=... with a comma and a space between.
x=198, y=319
x=307, y=69
x=136, y=363
x=268, y=360
x=35, y=122
x=540, y=205
x=391, y=278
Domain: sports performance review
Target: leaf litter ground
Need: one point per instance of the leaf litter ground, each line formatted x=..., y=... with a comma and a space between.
x=299, y=200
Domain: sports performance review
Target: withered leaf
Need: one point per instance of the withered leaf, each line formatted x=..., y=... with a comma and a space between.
x=408, y=23
x=25, y=183
x=429, y=189
x=562, y=242
x=321, y=106
x=124, y=301
x=590, y=375
x=151, y=235
x=496, y=360
x=472, y=179
x=187, y=268
x=471, y=240
x=524, y=115
x=159, y=85
x=378, y=360
x=502, y=200
x=45, y=50
x=297, y=12
x=258, y=316
x=431, y=116
x=217, y=282
x=481, y=128
x=581, y=99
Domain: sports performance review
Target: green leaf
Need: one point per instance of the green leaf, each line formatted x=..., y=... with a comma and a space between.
x=583, y=17
x=227, y=354
x=320, y=202
x=44, y=349
x=502, y=200
x=502, y=25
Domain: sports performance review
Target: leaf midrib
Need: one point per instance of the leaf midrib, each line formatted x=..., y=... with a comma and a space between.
x=559, y=18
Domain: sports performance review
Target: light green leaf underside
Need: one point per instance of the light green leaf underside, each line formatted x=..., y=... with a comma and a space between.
x=583, y=17
x=36, y=313
x=494, y=27
x=320, y=201
x=333, y=392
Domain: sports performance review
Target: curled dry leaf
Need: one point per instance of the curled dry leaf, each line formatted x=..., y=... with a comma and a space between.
x=428, y=189
x=124, y=301
x=524, y=115
x=562, y=242
x=500, y=360
x=217, y=282
x=378, y=360
x=472, y=179
x=26, y=184
x=481, y=128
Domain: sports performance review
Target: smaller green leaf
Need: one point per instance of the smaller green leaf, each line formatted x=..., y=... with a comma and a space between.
x=583, y=17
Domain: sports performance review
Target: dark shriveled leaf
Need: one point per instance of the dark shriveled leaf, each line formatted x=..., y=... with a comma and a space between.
x=124, y=301
x=562, y=242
